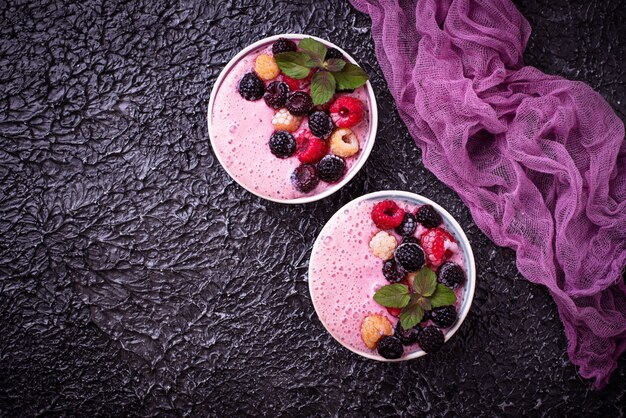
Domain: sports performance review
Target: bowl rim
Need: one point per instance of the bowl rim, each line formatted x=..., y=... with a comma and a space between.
x=470, y=267
x=365, y=153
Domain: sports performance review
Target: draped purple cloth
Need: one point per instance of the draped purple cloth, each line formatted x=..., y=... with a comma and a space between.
x=539, y=160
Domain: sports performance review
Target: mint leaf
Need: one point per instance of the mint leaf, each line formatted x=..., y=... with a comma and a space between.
x=443, y=296
x=411, y=316
x=322, y=87
x=351, y=76
x=393, y=296
x=316, y=50
x=334, y=64
x=294, y=64
x=425, y=282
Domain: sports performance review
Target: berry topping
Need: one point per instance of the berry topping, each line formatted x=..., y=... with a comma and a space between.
x=276, y=94
x=394, y=311
x=282, y=144
x=334, y=53
x=393, y=272
x=451, y=275
x=390, y=347
x=434, y=244
x=373, y=328
x=387, y=214
x=408, y=225
x=430, y=339
x=304, y=178
x=346, y=111
x=299, y=103
x=411, y=239
x=320, y=124
x=285, y=121
x=428, y=216
x=293, y=83
x=410, y=257
x=283, y=45
x=331, y=168
x=344, y=143
x=407, y=336
x=265, y=66
x=311, y=149
x=443, y=316
x=251, y=87
x=383, y=245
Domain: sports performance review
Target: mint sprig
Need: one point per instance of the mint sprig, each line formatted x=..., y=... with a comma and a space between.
x=332, y=74
x=427, y=294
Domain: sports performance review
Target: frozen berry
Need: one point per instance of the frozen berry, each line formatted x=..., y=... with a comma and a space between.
x=373, y=328
x=394, y=311
x=331, y=168
x=283, y=45
x=285, y=121
x=320, y=124
x=266, y=68
x=282, y=144
x=392, y=271
x=251, y=87
x=387, y=214
x=435, y=242
x=444, y=316
x=293, y=83
x=334, y=53
x=276, y=94
x=428, y=216
x=344, y=143
x=390, y=347
x=410, y=257
x=310, y=149
x=299, y=103
x=451, y=275
x=346, y=111
x=430, y=339
x=408, y=225
x=383, y=245
x=406, y=336
x=304, y=178
x=410, y=239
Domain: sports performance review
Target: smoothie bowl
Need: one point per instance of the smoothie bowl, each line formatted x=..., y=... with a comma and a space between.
x=392, y=276
x=292, y=118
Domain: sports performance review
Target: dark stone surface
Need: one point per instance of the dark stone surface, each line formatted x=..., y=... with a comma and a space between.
x=137, y=278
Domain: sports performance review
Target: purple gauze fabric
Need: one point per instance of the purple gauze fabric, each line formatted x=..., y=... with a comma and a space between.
x=539, y=160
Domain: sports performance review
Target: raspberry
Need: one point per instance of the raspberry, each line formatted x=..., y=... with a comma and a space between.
x=383, y=245
x=283, y=45
x=285, y=121
x=344, y=143
x=387, y=214
x=293, y=83
x=408, y=225
x=392, y=271
x=430, y=339
x=434, y=244
x=276, y=94
x=428, y=216
x=410, y=257
x=390, y=347
x=451, y=275
x=265, y=66
x=299, y=103
x=304, y=178
x=310, y=148
x=394, y=311
x=373, y=328
x=320, y=124
x=346, y=111
x=334, y=53
x=282, y=144
x=331, y=168
x=251, y=87
x=407, y=336
x=444, y=316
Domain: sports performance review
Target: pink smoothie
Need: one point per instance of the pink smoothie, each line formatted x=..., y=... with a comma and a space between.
x=240, y=131
x=344, y=274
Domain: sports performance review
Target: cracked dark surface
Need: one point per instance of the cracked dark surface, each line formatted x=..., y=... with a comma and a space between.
x=136, y=278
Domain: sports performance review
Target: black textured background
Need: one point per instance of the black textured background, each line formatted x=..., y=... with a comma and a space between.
x=137, y=278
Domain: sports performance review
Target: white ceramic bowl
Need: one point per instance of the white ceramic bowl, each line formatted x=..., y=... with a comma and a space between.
x=365, y=152
x=451, y=225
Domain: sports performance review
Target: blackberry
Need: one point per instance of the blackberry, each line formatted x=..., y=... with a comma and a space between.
x=406, y=336
x=331, y=168
x=251, y=87
x=410, y=239
x=320, y=124
x=282, y=144
x=451, y=275
x=428, y=216
x=305, y=178
x=430, y=339
x=444, y=316
x=276, y=94
x=390, y=347
x=284, y=45
x=408, y=225
x=299, y=103
x=410, y=256
x=393, y=272
x=334, y=53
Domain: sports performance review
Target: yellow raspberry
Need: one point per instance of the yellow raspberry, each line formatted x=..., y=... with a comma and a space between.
x=265, y=67
x=344, y=143
x=285, y=121
x=373, y=328
x=383, y=245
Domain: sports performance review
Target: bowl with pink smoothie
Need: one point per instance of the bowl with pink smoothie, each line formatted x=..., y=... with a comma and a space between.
x=284, y=121
x=392, y=276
